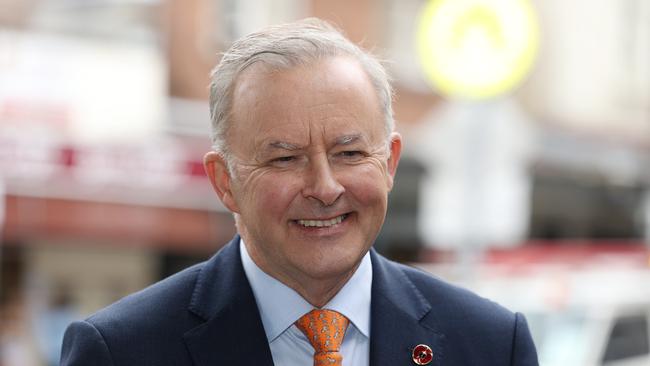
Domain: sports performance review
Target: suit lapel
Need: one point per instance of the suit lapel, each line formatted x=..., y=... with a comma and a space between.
x=399, y=316
x=233, y=333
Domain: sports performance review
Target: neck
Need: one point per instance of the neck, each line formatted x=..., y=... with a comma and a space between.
x=318, y=292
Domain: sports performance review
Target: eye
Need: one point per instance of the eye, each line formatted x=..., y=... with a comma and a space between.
x=283, y=159
x=351, y=154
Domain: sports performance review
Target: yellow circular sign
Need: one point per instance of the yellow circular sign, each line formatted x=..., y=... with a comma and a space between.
x=477, y=48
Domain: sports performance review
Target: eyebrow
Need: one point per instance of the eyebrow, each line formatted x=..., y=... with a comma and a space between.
x=283, y=145
x=277, y=145
x=348, y=139
x=339, y=141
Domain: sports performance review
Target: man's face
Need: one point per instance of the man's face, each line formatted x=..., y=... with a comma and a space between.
x=312, y=168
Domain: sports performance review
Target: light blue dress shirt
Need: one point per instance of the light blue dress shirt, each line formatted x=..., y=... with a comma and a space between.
x=280, y=306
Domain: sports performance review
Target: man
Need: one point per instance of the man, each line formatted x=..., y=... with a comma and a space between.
x=304, y=156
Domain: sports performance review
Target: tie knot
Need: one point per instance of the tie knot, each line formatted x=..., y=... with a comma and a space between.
x=324, y=329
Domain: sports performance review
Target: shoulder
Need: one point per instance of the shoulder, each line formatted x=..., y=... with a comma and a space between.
x=157, y=302
x=144, y=328
x=150, y=326
x=446, y=297
x=475, y=328
x=189, y=292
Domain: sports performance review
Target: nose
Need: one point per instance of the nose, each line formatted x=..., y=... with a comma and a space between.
x=321, y=183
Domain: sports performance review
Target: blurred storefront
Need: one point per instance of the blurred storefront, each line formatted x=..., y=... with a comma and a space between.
x=102, y=193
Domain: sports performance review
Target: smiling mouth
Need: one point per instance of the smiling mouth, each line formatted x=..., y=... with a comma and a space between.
x=322, y=223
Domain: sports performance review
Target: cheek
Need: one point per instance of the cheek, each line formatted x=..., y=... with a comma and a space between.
x=367, y=184
x=372, y=197
x=272, y=195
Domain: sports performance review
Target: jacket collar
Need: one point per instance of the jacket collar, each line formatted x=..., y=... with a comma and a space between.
x=233, y=333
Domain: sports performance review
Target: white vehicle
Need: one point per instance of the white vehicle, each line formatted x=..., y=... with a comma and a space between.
x=610, y=336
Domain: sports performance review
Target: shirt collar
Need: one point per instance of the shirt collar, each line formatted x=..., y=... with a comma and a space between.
x=280, y=306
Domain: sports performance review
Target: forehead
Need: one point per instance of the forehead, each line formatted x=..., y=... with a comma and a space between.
x=329, y=98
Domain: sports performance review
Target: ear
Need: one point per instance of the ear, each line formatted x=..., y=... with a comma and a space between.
x=393, y=160
x=217, y=170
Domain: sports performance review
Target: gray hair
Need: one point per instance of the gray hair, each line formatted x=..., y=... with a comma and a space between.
x=281, y=47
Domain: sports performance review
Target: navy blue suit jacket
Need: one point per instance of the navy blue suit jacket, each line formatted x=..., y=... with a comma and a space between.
x=206, y=315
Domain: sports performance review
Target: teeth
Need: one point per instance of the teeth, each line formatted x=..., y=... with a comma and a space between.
x=322, y=223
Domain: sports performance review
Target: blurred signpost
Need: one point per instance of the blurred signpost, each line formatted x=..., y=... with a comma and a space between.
x=475, y=52
x=477, y=49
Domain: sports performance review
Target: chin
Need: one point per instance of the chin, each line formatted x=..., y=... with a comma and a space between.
x=336, y=267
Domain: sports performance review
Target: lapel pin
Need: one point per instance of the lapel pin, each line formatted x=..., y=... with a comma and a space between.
x=422, y=354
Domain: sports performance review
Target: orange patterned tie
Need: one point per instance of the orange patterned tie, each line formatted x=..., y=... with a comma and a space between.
x=324, y=330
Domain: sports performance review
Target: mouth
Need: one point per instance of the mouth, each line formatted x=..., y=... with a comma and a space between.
x=322, y=223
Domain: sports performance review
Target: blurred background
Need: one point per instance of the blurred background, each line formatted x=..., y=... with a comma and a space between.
x=525, y=175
